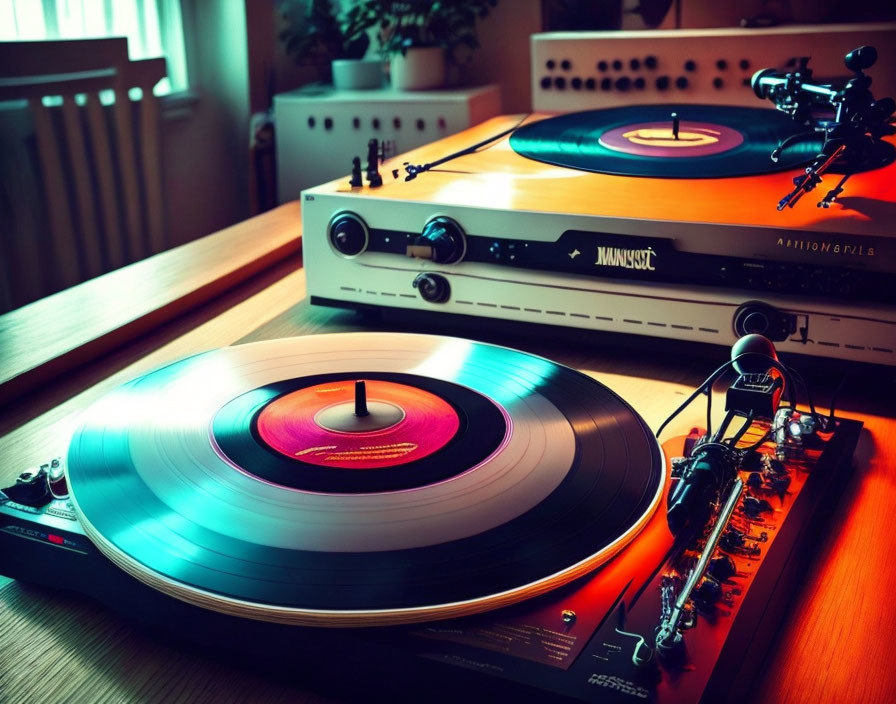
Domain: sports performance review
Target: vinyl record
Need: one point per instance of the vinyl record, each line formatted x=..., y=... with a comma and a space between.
x=533, y=475
x=711, y=141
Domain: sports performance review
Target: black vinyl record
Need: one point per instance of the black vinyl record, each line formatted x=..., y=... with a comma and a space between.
x=711, y=141
x=572, y=478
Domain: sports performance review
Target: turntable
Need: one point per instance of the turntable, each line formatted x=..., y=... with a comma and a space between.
x=440, y=513
x=632, y=205
x=434, y=507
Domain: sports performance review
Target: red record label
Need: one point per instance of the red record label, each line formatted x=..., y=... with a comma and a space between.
x=419, y=424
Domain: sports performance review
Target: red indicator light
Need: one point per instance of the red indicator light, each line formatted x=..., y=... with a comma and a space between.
x=57, y=539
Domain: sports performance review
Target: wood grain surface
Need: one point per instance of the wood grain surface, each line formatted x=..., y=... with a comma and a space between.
x=834, y=646
x=43, y=339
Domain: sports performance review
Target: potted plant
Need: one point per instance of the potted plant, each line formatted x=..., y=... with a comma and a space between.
x=335, y=42
x=420, y=35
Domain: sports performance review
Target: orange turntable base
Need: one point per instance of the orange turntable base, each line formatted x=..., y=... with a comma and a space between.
x=498, y=178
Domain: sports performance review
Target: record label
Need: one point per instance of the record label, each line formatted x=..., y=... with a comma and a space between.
x=304, y=425
x=657, y=139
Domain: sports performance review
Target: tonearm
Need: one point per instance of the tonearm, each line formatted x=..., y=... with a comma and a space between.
x=850, y=121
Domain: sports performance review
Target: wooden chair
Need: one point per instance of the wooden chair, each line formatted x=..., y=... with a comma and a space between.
x=103, y=186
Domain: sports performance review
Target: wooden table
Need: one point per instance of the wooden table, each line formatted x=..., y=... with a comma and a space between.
x=246, y=283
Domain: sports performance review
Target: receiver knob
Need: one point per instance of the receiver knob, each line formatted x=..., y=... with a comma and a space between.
x=348, y=234
x=442, y=240
x=433, y=287
x=761, y=318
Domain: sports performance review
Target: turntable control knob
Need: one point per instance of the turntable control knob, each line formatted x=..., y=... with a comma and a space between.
x=759, y=317
x=442, y=240
x=433, y=288
x=348, y=234
x=56, y=480
x=623, y=83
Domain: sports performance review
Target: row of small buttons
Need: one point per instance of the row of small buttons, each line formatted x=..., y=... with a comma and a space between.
x=623, y=83
x=635, y=64
x=376, y=123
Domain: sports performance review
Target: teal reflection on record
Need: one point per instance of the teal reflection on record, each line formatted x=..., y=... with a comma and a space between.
x=576, y=472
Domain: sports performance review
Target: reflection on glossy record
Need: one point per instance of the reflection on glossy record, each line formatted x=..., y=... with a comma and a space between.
x=567, y=476
x=706, y=141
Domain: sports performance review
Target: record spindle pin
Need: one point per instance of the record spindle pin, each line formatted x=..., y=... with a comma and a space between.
x=676, y=123
x=361, y=399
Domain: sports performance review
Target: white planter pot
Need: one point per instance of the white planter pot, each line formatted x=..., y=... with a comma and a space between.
x=357, y=74
x=420, y=68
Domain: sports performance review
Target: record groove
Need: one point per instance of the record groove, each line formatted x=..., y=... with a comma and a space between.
x=606, y=141
x=574, y=477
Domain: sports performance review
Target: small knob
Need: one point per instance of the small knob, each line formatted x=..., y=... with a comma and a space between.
x=759, y=317
x=442, y=240
x=433, y=288
x=722, y=567
x=348, y=234
x=861, y=58
x=56, y=480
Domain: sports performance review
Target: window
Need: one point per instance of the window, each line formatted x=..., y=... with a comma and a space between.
x=153, y=28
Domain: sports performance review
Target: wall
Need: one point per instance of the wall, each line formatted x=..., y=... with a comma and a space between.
x=503, y=56
x=205, y=159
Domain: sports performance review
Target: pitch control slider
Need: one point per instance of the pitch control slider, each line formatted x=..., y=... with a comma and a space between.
x=668, y=635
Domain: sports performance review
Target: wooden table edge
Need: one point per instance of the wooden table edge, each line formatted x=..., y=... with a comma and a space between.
x=40, y=364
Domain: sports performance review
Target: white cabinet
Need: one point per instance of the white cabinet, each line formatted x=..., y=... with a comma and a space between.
x=320, y=129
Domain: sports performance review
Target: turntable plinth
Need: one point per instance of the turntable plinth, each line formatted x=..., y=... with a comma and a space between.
x=75, y=646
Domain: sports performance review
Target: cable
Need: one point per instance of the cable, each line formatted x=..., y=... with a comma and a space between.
x=805, y=386
x=414, y=169
x=706, y=386
x=744, y=428
x=700, y=389
x=834, y=396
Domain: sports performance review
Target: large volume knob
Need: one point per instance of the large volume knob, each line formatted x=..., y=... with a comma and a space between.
x=442, y=241
x=348, y=234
